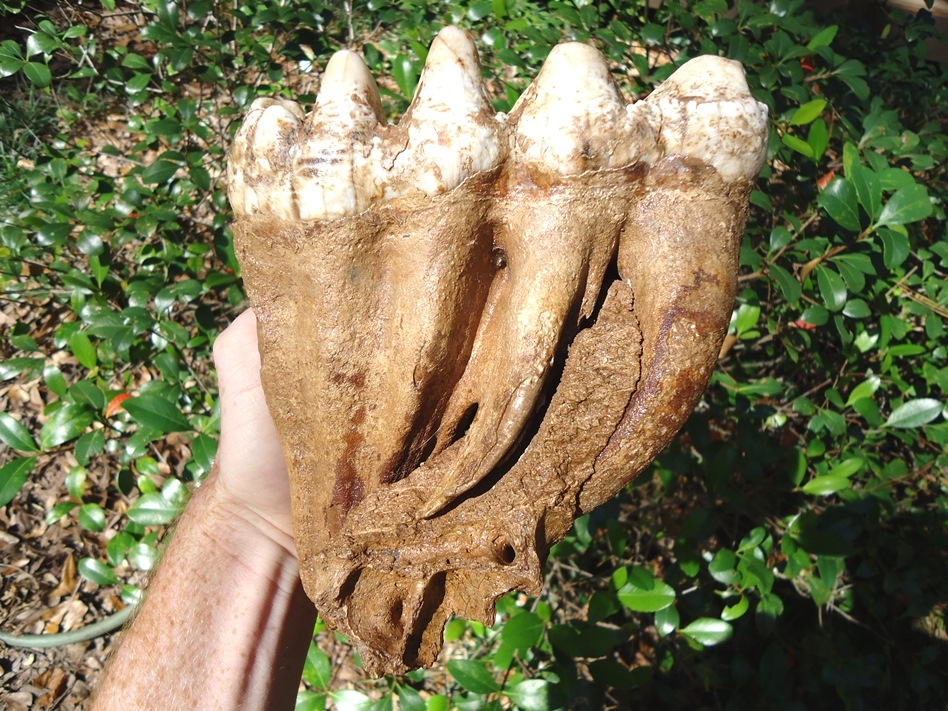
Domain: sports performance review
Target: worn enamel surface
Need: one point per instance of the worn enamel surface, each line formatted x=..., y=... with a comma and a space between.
x=476, y=327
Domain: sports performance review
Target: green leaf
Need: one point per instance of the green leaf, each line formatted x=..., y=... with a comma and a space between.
x=53, y=377
x=825, y=485
x=848, y=467
x=868, y=190
x=798, y=144
x=787, y=282
x=832, y=288
x=86, y=392
x=15, y=434
x=97, y=572
x=906, y=205
x=92, y=517
x=38, y=73
x=90, y=444
x=708, y=632
x=310, y=701
x=865, y=389
x=722, y=566
x=410, y=700
x=473, y=676
x=640, y=600
x=895, y=247
x=82, y=348
x=58, y=511
x=808, y=112
x=736, y=610
x=667, y=620
x=68, y=422
x=153, y=509
x=161, y=171
x=841, y=202
x=857, y=308
x=914, y=413
x=818, y=138
x=523, y=630
x=317, y=670
x=532, y=695
x=823, y=38
x=13, y=476
x=157, y=413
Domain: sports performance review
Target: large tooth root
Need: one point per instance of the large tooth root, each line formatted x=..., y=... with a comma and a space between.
x=558, y=243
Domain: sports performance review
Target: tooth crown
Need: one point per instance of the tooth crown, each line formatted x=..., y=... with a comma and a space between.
x=454, y=369
x=343, y=157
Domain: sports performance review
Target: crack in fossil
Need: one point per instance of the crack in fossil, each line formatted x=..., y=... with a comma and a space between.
x=476, y=327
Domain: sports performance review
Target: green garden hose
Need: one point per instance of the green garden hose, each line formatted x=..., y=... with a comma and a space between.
x=83, y=634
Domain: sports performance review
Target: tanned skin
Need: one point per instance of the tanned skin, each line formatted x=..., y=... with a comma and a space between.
x=225, y=623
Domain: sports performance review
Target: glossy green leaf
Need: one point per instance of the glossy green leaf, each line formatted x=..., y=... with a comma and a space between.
x=97, y=572
x=153, y=509
x=667, y=620
x=92, y=517
x=708, y=632
x=832, y=288
x=848, y=467
x=866, y=388
x=15, y=434
x=473, y=676
x=310, y=701
x=868, y=189
x=89, y=445
x=38, y=73
x=788, y=283
x=906, y=205
x=317, y=669
x=808, y=112
x=895, y=245
x=157, y=413
x=841, y=202
x=82, y=348
x=523, y=630
x=639, y=600
x=532, y=695
x=914, y=413
x=825, y=485
x=13, y=476
x=722, y=567
x=68, y=422
x=737, y=610
x=823, y=38
x=409, y=699
x=798, y=144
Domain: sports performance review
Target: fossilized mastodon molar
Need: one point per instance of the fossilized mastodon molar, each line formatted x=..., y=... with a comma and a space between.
x=475, y=327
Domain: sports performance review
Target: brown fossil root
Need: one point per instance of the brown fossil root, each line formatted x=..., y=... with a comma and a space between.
x=476, y=327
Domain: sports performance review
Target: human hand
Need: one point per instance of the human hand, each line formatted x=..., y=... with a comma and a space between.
x=250, y=475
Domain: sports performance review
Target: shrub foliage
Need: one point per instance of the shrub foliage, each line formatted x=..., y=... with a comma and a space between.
x=787, y=551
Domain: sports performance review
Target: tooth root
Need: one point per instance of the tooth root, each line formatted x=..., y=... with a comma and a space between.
x=707, y=112
x=260, y=161
x=449, y=132
x=567, y=119
x=332, y=176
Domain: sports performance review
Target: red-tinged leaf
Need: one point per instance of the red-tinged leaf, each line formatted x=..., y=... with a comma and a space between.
x=115, y=404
